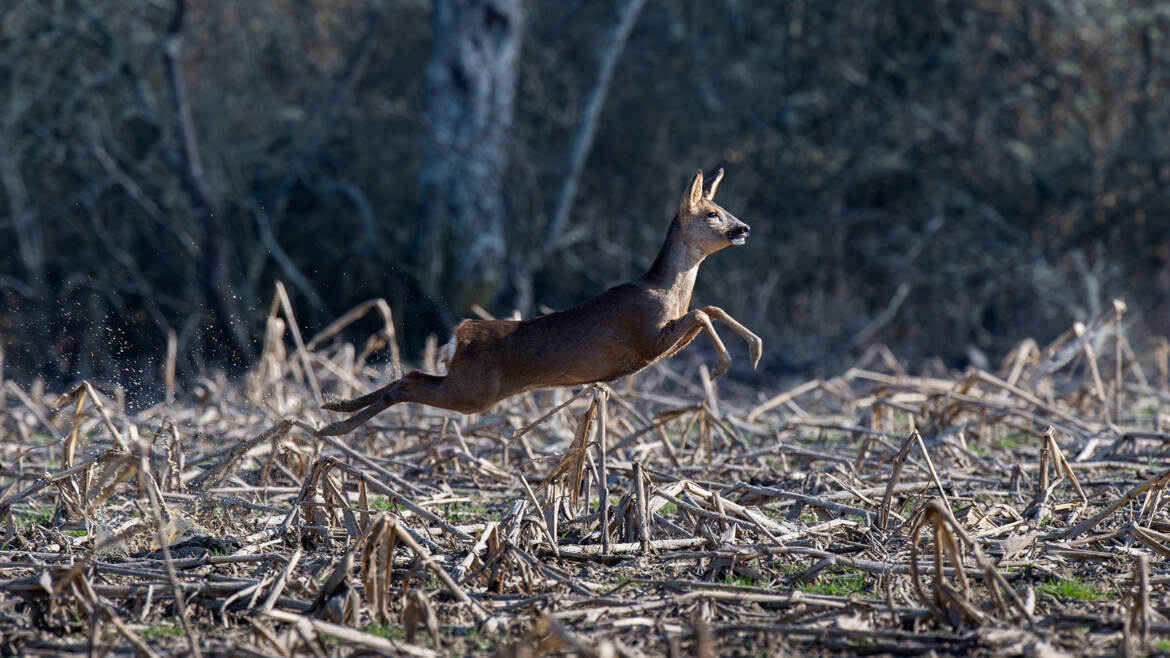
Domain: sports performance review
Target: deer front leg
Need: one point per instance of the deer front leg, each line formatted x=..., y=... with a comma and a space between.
x=755, y=345
x=678, y=333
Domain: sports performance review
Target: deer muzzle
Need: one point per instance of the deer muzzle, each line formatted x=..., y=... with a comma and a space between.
x=739, y=234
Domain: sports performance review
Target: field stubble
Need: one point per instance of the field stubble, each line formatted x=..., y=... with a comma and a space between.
x=1020, y=511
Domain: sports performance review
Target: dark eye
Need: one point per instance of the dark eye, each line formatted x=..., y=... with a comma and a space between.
x=712, y=215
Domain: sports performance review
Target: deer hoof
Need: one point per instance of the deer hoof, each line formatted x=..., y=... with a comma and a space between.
x=333, y=429
x=757, y=351
x=721, y=367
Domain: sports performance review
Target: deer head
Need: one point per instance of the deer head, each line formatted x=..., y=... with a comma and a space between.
x=705, y=225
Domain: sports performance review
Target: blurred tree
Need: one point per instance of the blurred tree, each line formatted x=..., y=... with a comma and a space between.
x=231, y=335
x=469, y=94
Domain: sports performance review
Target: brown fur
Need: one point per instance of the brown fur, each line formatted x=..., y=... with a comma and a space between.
x=617, y=333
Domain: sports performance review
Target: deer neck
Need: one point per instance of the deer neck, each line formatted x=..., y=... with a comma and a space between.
x=675, y=269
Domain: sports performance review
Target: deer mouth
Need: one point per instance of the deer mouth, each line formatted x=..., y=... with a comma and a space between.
x=738, y=236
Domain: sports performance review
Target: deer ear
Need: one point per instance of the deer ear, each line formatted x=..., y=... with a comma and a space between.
x=712, y=184
x=694, y=194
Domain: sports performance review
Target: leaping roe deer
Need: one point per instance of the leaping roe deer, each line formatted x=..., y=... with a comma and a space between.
x=617, y=333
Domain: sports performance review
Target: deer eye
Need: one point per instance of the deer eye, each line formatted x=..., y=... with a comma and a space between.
x=712, y=215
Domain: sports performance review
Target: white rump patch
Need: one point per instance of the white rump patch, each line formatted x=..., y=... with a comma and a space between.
x=446, y=353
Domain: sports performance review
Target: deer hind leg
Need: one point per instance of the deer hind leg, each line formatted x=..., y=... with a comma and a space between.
x=755, y=345
x=413, y=387
x=359, y=402
x=682, y=331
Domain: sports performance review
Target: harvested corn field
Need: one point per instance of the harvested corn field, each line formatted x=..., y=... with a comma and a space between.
x=1015, y=511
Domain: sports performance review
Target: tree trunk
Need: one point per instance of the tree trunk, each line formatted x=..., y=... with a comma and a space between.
x=214, y=271
x=470, y=87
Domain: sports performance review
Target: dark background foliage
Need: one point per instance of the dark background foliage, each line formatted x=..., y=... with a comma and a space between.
x=935, y=176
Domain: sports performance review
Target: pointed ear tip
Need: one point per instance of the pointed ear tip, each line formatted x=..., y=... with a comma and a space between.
x=697, y=181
